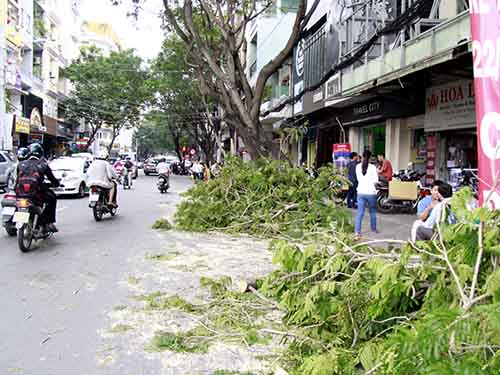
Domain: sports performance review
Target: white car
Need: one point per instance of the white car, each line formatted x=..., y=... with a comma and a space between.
x=84, y=155
x=72, y=172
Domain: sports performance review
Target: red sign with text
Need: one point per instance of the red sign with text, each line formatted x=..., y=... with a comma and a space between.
x=485, y=27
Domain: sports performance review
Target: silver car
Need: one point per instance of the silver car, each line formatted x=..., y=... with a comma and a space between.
x=7, y=169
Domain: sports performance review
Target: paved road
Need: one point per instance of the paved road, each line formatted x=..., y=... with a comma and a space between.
x=53, y=301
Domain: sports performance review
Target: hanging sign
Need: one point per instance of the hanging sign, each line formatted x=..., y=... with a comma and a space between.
x=22, y=125
x=485, y=27
x=341, y=154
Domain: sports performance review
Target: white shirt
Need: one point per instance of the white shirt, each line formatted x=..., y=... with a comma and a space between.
x=163, y=168
x=366, y=183
x=100, y=174
x=197, y=168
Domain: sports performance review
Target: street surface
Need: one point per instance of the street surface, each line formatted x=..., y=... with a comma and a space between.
x=72, y=306
x=59, y=303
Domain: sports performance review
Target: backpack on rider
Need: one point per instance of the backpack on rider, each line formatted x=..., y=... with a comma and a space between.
x=28, y=184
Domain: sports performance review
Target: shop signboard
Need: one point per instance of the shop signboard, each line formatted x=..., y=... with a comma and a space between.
x=298, y=75
x=22, y=125
x=341, y=153
x=485, y=27
x=450, y=106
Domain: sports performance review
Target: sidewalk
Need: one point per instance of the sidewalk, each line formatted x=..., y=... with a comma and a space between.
x=392, y=226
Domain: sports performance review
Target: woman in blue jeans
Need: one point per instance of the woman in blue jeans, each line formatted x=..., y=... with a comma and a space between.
x=367, y=176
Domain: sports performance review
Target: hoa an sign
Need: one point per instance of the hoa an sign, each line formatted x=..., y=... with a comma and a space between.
x=485, y=28
x=450, y=106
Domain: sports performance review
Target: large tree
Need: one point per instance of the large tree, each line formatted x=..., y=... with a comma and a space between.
x=107, y=90
x=213, y=32
x=180, y=107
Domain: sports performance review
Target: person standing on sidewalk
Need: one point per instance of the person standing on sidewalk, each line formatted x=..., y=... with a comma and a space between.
x=351, y=175
x=385, y=168
x=367, y=177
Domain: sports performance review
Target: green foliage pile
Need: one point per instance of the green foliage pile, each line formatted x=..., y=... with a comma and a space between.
x=229, y=316
x=162, y=224
x=264, y=198
x=431, y=309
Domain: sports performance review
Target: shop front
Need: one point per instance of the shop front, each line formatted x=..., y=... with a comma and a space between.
x=21, y=131
x=380, y=125
x=65, y=136
x=450, y=128
x=50, y=139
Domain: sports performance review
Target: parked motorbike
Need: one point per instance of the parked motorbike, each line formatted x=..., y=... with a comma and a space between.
x=386, y=205
x=8, y=210
x=126, y=180
x=27, y=219
x=98, y=201
x=469, y=179
x=163, y=183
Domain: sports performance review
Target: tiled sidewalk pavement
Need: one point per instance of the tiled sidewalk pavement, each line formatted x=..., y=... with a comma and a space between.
x=392, y=226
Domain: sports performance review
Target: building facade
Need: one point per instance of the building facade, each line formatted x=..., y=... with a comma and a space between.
x=394, y=77
x=40, y=39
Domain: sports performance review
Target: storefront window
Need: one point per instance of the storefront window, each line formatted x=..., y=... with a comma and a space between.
x=418, y=150
x=374, y=139
x=458, y=151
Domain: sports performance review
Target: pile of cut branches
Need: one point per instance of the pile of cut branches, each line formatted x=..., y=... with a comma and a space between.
x=429, y=308
x=264, y=198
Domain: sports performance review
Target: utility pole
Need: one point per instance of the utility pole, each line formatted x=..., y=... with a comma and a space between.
x=3, y=124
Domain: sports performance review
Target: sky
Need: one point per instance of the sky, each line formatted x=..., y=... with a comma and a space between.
x=144, y=35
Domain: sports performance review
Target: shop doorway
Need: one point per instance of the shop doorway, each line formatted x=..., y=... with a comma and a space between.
x=457, y=151
x=373, y=138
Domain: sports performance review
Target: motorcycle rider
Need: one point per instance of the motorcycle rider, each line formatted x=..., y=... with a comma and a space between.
x=129, y=166
x=35, y=166
x=23, y=153
x=102, y=174
x=163, y=168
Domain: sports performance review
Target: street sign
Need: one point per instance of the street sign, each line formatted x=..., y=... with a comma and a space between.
x=485, y=27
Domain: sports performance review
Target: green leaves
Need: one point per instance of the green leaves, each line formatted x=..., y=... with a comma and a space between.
x=107, y=90
x=387, y=316
x=264, y=198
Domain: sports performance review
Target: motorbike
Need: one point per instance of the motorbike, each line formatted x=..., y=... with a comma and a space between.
x=27, y=219
x=9, y=209
x=98, y=202
x=163, y=183
x=387, y=205
x=125, y=179
x=468, y=178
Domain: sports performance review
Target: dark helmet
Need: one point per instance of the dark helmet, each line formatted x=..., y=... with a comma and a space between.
x=36, y=150
x=22, y=153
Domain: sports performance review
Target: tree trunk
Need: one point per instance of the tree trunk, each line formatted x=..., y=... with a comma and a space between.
x=110, y=146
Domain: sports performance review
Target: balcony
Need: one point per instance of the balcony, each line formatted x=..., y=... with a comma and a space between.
x=429, y=48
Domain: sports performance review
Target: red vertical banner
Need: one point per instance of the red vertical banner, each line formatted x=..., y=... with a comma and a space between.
x=485, y=27
x=430, y=165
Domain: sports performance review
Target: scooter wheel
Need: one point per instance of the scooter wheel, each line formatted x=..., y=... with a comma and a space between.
x=384, y=206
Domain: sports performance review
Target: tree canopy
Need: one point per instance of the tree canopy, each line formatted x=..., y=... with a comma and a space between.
x=107, y=90
x=213, y=32
x=178, y=104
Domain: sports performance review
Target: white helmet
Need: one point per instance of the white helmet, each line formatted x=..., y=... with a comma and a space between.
x=103, y=154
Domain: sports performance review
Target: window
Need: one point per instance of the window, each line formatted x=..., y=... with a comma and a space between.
x=314, y=57
x=13, y=16
x=2, y=159
x=289, y=6
x=37, y=64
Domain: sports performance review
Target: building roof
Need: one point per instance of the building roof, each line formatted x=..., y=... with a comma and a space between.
x=103, y=30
